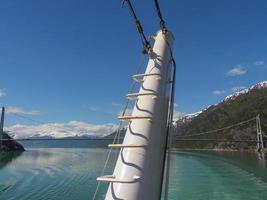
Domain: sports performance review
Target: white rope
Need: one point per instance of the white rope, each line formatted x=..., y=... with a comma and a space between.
x=216, y=130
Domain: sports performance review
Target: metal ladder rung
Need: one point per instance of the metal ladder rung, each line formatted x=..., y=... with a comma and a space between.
x=130, y=118
x=112, y=179
x=126, y=146
x=136, y=76
x=135, y=95
x=142, y=75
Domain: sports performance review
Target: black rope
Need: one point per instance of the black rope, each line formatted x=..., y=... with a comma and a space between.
x=50, y=124
x=29, y=119
x=169, y=125
x=139, y=27
x=162, y=22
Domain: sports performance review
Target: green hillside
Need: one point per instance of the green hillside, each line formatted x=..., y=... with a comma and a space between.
x=233, y=110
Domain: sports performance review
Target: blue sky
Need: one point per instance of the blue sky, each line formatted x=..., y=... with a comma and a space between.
x=65, y=60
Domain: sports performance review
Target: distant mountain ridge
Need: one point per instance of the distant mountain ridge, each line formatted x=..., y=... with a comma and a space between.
x=109, y=136
x=67, y=137
x=235, y=108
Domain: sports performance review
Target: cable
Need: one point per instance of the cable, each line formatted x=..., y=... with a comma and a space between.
x=28, y=118
x=170, y=119
x=139, y=27
x=162, y=22
x=41, y=123
x=216, y=130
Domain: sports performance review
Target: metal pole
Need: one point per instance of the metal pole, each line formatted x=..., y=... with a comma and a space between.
x=137, y=174
x=259, y=134
x=257, y=127
x=2, y=127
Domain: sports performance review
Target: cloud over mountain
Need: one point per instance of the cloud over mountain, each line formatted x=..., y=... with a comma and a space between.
x=178, y=115
x=237, y=88
x=218, y=92
x=58, y=130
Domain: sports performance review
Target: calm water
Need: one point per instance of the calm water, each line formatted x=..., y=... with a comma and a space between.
x=70, y=173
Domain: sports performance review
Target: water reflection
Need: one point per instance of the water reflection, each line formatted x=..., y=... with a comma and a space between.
x=7, y=157
x=54, y=173
x=70, y=174
x=217, y=175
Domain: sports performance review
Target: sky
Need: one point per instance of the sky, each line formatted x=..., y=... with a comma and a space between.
x=69, y=62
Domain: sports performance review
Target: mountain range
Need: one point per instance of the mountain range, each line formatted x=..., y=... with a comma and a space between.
x=236, y=108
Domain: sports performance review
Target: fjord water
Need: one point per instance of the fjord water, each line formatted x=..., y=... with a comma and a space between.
x=70, y=173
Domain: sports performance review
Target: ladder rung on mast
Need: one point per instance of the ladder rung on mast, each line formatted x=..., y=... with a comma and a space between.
x=130, y=118
x=137, y=77
x=136, y=95
x=112, y=179
x=126, y=146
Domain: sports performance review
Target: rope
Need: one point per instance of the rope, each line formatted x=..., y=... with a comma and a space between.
x=170, y=119
x=139, y=27
x=131, y=88
x=41, y=123
x=216, y=130
x=28, y=118
x=162, y=22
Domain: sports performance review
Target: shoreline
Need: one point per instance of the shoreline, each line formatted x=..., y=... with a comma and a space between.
x=217, y=150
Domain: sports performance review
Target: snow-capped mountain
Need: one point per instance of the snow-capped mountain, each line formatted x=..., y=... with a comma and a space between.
x=235, y=108
x=262, y=84
x=230, y=97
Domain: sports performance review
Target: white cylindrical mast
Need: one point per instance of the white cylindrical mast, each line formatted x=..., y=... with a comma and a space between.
x=138, y=171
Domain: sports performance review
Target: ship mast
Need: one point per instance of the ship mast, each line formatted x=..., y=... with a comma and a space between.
x=140, y=164
x=137, y=174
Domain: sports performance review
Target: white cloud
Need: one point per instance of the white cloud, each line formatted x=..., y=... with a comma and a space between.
x=92, y=108
x=237, y=88
x=259, y=63
x=178, y=115
x=218, y=92
x=116, y=104
x=175, y=105
x=236, y=71
x=18, y=110
x=58, y=130
x=2, y=92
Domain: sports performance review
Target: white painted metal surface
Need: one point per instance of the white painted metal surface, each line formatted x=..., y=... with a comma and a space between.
x=146, y=163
